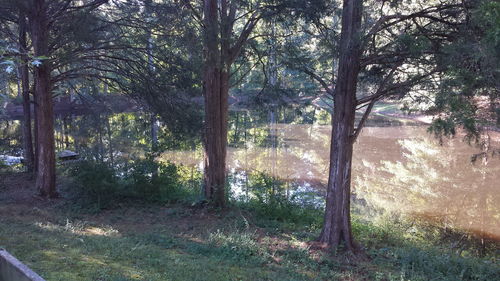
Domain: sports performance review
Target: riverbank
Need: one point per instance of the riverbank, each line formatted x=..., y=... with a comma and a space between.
x=135, y=241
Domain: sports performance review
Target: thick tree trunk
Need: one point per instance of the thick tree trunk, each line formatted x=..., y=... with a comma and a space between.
x=219, y=54
x=45, y=177
x=216, y=110
x=215, y=91
x=29, y=157
x=337, y=222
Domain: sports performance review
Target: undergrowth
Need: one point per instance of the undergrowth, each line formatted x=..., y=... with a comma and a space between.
x=99, y=186
x=272, y=229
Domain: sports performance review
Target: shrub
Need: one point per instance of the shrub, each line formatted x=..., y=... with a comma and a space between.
x=153, y=181
x=96, y=183
x=240, y=247
x=99, y=186
x=417, y=264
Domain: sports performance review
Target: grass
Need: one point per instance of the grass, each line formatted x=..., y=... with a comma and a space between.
x=245, y=242
x=180, y=243
x=61, y=249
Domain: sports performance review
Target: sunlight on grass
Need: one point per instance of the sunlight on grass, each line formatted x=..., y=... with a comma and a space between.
x=222, y=248
x=79, y=228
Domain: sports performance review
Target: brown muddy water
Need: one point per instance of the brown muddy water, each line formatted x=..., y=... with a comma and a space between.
x=403, y=169
x=395, y=168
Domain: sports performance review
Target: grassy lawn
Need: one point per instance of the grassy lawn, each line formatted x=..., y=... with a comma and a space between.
x=180, y=242
x=147, y=244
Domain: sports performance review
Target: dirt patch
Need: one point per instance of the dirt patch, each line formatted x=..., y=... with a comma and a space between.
x=19, y=188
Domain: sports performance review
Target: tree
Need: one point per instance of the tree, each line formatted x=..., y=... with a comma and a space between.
x=46, y=162
x=18, y=56
x=226, y=27
x=53, y=28
x=165, y=76
x=220, y=51
x=391, y=54
x=23, y=70
x=337, y=223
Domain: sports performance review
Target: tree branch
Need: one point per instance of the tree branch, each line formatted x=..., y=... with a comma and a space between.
x=362, y=122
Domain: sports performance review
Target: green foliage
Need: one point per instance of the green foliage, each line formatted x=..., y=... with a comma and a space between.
x=417, y=264
x=469, y=93
x=95, y=184
x=415, y=255
x=98, y=186
x=240, y=247
x=271, y=204
x=153, y=181
x=488, y=16
x=323, y=117
x=160, y=67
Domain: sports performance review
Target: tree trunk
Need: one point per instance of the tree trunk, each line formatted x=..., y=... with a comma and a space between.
x=45, y=177
x=215, y=91
x=337, y=221
x=216, y=110
x=35, y=127
x=154, y=133
x=151, y=67
x=219, y=54
x=110, y=142
x=29, y=157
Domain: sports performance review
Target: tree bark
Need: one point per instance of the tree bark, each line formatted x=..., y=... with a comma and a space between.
x=215, y=91
x=337, y=221
x=35, y=127
x=45, y=176
x=216, y=110
x=219, y=17
x=29, y=157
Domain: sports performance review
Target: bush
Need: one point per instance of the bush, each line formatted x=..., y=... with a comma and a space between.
x=153, y=181
x=241, y=247
x=96, y=183
x=99, y=185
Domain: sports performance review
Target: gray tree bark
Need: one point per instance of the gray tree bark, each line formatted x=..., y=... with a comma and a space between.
x=337, y=220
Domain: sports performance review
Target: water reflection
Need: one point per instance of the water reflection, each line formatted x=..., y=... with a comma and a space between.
x=395, y=168
x=398, y=168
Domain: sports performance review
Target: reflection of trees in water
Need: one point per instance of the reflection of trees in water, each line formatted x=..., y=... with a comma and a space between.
x=103, y=137
x=10, y=138
x=297, y=156
x=398, y=168
x=437, y=182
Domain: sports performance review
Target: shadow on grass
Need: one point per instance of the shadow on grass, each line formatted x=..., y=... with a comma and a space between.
x=59, y=252
x=86, y=251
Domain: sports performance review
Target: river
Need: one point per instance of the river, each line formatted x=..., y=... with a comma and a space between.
x=396, y=168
